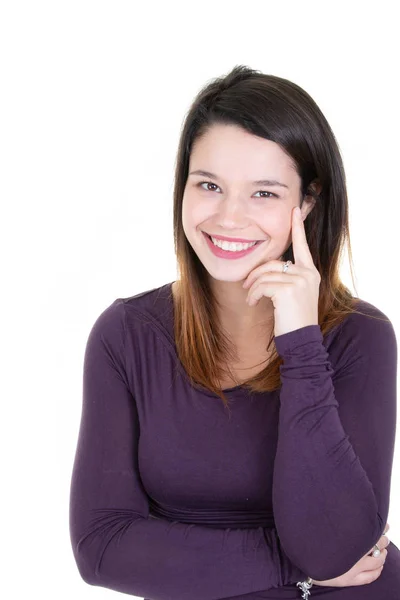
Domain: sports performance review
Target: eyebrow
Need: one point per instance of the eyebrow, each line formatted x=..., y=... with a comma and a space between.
x=259, y=182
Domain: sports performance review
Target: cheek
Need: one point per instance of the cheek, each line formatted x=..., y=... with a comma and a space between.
x=191, y=220
x=195, y=213
x=277, y=225
x=187, y=214
x=277, y=228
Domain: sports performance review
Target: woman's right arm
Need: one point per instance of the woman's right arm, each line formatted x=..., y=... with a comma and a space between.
x=115, y=543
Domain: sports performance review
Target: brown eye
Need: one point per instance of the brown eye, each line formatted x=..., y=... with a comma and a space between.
x=265, y=192
x=207, y=183
x=271, y=195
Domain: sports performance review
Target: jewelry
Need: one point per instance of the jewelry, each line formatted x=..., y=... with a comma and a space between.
x=286, y=265
x=376, y=552
x=305, y=586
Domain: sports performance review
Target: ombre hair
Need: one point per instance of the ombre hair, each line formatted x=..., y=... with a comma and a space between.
x=278, y=110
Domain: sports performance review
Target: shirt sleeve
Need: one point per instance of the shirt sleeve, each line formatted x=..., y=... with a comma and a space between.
x=116, y=544
x=332, y=471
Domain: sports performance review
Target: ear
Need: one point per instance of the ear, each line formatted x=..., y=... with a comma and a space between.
x=316, y=187
x=309, y=200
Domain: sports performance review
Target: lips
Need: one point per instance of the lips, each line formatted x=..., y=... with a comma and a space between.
x=226, y=254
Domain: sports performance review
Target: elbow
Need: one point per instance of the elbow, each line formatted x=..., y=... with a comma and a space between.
x=87, y=574
x=85, y=568
x=84, y=558
x=322, y=569
x=331, y=558
x=323, y=565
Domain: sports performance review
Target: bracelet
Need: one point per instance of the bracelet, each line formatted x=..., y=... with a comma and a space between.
x=305, y=586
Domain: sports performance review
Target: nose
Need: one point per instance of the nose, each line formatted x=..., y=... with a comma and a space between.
x=231, y=211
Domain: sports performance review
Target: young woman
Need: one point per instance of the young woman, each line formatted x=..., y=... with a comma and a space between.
x=282, y=489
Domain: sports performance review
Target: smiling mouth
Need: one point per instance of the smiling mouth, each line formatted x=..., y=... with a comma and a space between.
x=233, y=241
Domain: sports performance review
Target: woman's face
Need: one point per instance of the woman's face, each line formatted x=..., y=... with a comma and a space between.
x=230, y=204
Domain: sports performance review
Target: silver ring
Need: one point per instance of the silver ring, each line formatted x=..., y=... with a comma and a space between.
x=286, y=265
x=376, y=552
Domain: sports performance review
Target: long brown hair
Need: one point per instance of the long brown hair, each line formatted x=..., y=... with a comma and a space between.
x=279, y=110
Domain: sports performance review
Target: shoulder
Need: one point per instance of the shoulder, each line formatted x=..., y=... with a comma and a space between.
x=366, y=322
x=366, y=334
x=147, y=299
x=149, y=312
x=109, y=324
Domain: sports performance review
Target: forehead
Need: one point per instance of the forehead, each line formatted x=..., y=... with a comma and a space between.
x=233, y=153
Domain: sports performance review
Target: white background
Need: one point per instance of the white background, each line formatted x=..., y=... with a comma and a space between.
x=93, y=96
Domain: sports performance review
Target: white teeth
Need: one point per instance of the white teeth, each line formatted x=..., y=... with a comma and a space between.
x=232, y=246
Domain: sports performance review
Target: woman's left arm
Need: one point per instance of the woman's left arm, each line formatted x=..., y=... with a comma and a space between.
x=333, y=464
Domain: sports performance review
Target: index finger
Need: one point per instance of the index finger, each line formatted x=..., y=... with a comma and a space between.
x=386, y=528
x=301, y=251
x=386, y=543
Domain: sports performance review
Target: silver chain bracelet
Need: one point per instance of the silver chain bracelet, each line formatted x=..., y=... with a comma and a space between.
x=305, y=586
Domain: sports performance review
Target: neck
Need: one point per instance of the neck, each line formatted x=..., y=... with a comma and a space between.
x=236, y=316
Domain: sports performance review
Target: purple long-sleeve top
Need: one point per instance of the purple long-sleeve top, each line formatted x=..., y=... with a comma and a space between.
x=175, y=498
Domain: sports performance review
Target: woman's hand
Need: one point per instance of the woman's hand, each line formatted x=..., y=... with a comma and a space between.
x=295, y=293
x=365, y=571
